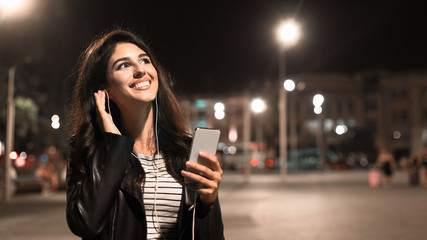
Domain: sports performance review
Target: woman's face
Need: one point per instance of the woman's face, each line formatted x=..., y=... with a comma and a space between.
x=131, y=76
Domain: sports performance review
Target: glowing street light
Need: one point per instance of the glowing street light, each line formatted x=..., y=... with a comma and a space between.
x=11, y=5
x=10, y=8
x=55, y=122
x=288, y=32
x=219, y=110
x=219, y=107
x=341, y=129
x=258, y=105
x=289, y=85
x=318, y=100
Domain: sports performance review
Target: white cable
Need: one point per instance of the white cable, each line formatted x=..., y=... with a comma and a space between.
x=108, y=104
x=159, y=230
x=194, y=217
x=155, y=218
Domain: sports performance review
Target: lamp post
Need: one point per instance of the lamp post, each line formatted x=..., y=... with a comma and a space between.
x=318, y=100
x=287, y=34
x=258, y=106
x=246, y=135
x=10, y=130
x=289, y=86
x=9, y=8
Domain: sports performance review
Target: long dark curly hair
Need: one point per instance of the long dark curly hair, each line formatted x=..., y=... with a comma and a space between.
x=173, y=133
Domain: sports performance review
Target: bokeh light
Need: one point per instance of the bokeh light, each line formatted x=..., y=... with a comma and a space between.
x=289, y=85
x=258, y=105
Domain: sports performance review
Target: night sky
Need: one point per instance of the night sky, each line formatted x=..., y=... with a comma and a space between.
x=225, y=46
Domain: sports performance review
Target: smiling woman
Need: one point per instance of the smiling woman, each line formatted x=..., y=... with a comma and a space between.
x=131, y=77
x=127, y=163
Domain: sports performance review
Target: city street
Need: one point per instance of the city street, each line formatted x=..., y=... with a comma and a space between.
x=313, y=205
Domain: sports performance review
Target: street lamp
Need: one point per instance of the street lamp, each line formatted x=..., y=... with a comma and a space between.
x=11, y=8
x=341, y=129
x=219, y=110
x=8, y=8
x=258, y=105
x=55, y=122
x=290, y=86
x=287, y=34
x=318, y=100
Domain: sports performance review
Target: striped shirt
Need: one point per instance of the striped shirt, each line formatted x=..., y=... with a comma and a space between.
x=161, y=206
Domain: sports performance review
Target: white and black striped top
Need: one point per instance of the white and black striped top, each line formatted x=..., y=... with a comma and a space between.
x=161, y=206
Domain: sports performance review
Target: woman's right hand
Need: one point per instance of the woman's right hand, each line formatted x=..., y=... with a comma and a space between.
x=105, y=120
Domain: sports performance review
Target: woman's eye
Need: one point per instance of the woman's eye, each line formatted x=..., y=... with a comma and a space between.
x=144, y=61
x=123, y=65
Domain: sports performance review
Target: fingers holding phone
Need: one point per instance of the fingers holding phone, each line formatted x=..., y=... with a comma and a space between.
x=203, y=172
x=204, y=178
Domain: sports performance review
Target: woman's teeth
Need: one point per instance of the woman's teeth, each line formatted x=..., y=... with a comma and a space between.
x=142, y=84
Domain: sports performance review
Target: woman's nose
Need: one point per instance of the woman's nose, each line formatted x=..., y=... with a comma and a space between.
x=139, y=71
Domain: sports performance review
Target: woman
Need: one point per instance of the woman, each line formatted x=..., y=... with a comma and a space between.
x=125, y=177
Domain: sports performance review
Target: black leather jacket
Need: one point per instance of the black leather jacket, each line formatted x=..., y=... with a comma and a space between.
x=104, y=203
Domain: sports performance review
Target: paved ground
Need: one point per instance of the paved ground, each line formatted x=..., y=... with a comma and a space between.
x=329, y=205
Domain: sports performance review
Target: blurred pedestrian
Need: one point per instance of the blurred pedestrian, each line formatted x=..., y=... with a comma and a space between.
x=374, y=177
x=125, y=177
x=387, y=164
x=424, y=166
x=47, y=171
x=47, y=175
x=414, y=167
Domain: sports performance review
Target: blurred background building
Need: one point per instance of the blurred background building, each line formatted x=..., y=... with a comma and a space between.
x=362, y=114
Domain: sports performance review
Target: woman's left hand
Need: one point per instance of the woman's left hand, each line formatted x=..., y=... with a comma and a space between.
x=208, y=184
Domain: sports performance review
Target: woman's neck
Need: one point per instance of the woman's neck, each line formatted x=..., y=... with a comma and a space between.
x=138, y=123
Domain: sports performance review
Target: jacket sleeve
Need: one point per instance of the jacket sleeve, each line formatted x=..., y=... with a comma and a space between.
x=209, y=223
x=91, y=194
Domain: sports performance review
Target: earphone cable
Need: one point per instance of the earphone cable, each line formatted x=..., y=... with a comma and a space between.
x=159, y=230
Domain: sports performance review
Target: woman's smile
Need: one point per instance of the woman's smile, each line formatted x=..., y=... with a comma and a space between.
x=143, y=84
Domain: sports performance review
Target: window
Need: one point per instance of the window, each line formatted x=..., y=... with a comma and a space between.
x=371, y=123
x=350, y=105
x=400, y=116
x=398, y=94
x=404, y=116
x=371, y=105
x=339, y=106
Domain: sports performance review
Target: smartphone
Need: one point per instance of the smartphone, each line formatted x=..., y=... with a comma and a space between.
x=204, y=140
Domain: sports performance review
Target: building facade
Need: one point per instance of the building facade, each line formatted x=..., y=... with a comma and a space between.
x=361, y=113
